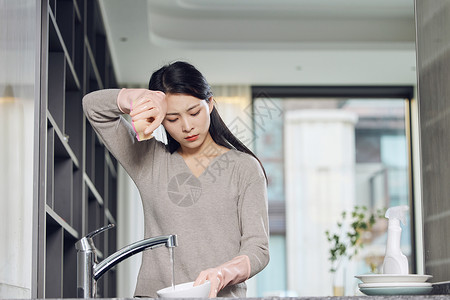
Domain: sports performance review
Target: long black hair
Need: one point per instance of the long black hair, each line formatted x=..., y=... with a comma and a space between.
x=183, y=78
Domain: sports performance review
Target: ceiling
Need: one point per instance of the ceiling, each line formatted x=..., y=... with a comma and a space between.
x=265, y=42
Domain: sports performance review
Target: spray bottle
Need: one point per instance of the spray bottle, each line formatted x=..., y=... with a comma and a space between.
x=395, y=262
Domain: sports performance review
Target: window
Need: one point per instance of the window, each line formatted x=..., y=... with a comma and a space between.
x=327, y=150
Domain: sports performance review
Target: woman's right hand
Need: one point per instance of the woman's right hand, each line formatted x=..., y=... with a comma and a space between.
x=147, y=110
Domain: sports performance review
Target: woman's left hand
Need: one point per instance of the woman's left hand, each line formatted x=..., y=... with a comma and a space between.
x=232, y=272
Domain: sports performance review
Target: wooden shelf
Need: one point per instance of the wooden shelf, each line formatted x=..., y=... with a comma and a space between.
x=93, y=64
x=54, y=261
x=63, y=46
x=55, y=219
x=92, y=189
x=69, y=266
x=77, y=9
x=111, y=165
x=80, y=174
x=110, y=217
x=74, y=123
x=63, y=139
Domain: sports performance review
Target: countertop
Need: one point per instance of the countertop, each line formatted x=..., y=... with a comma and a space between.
x=433, y=297
x=440, y=291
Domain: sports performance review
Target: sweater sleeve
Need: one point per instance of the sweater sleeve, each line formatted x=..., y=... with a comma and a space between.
x=254, y=218
x=100, y=108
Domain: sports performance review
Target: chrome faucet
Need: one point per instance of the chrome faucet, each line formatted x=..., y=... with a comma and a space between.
x=89, y=270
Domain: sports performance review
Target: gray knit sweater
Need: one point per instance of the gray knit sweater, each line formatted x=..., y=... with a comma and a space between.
x=217, y=216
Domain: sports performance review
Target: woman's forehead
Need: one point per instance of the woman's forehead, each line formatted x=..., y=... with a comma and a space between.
x=180, y=102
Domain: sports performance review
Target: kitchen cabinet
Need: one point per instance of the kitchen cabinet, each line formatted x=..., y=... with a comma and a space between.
x=77, y=175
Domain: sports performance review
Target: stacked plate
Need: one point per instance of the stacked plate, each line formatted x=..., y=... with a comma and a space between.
x=390, y=284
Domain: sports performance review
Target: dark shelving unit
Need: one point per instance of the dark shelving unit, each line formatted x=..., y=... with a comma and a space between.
x=79, y=175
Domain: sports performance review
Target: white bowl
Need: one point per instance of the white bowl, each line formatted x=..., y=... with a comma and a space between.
x=186, y=290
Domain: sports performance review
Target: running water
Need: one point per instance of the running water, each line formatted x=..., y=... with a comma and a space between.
x=171, y=250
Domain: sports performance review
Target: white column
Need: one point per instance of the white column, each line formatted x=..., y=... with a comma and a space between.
x=17, y=102
x=16, y=184
x=130, y=221
x=320, y=168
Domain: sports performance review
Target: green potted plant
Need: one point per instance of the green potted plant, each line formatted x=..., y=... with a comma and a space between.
x=348, y=238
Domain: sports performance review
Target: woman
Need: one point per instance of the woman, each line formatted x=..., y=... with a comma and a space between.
x=204, y=185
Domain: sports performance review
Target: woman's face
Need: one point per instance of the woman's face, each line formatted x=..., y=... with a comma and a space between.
x=187, y=119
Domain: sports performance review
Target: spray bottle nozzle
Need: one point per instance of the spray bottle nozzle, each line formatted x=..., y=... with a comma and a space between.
x=397, y=212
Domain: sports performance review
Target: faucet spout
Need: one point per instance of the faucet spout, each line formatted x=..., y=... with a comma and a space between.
x=101, y=268
x=89, y=271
